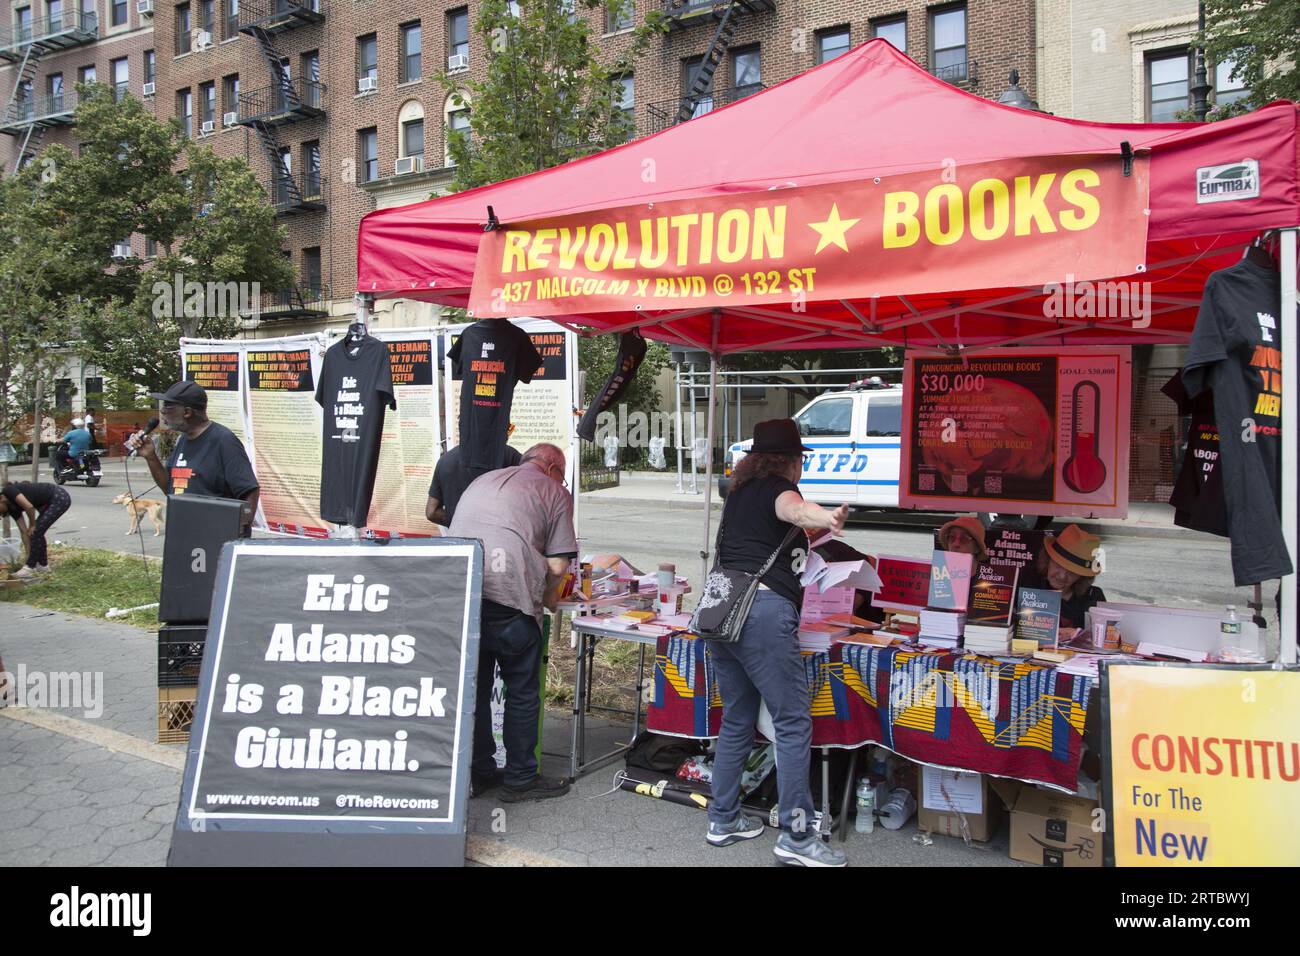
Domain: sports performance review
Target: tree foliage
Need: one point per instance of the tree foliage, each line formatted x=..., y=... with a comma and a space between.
x=137, y=175
x=1262, y=40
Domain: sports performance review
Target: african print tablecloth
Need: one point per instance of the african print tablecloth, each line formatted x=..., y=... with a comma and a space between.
x=949, y=708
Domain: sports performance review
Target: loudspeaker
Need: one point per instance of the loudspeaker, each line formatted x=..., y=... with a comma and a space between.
x=197, y=527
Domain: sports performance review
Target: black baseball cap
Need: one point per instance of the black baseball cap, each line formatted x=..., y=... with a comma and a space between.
x=184, y=393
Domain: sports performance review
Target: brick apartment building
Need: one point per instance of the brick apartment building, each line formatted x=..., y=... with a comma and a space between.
x=345, y=93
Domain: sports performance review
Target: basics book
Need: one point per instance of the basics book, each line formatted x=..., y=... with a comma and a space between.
x=950, y=574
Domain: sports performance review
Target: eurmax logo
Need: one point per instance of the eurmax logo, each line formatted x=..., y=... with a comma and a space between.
x=1228, y=182
x=74, y=908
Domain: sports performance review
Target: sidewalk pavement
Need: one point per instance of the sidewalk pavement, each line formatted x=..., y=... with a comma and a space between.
x=1145, y=519
x=79, y=790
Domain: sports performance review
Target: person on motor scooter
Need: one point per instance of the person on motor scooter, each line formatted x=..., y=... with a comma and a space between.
x=78, y=440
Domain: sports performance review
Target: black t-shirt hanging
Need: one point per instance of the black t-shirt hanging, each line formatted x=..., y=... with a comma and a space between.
x=356, y=382
x=752, y=531
x=1236, y=351
x=1198, y=489
x=490, y=357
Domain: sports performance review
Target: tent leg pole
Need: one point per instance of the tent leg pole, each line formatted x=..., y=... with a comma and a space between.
x=677, y=433
x=695, y=458
x=1287, y=620
x=708, y=460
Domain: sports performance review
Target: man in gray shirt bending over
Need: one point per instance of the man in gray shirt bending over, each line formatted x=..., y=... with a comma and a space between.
x=524, y=517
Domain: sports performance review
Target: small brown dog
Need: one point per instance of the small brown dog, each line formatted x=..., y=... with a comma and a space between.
x=139, y=507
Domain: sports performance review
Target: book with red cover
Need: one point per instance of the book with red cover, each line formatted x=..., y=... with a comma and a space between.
x=993, y=596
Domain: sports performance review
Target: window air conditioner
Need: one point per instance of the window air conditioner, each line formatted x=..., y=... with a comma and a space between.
x=208, y=128
x=122, y=250
x=144, y=7
x=203, y=40
x=458, y=61
x=230, y=119
x=147, y=89
x=367, y=84
x=407, y=165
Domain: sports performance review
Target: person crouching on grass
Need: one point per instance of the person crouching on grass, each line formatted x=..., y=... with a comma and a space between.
x=765, y=664
x=34, y=506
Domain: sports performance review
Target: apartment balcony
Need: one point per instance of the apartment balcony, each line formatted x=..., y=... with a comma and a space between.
x=282, y=103
x=689, y=13
x=659, y=116
x=295, y=302
x=276, y=16
x=57, y=110
x=295, y=194
x=49, y=34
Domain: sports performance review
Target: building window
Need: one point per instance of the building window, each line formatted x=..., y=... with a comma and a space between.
x=1228, y=89
x=310, y=63
x=368, y=149
x=619, y=17
x=232, y=19
x=230, y=93
x=185, y=112
x=89, y=14
x=746, y=71
x=86, y=74
x=311, y=168
x=689, y=67
x=948, y=43
x=54, y=13
x=831, y=43
x=23, y=24
x=458, y=38
x=121, y=73
x=150, y=66
x=1168, y=85
x=893, y=30
x=367, y=59
x=208, y=103
x=54, y=86
x=410, y=53
x=413, y=138
x=311, y=277
x=182, y=28
x=117, y=16
x=208, y=16
x=458, y=127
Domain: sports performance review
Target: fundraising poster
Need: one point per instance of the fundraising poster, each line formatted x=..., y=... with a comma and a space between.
x=409, y=444
x=1018, y=430
x=542, y=410
x=1203, y=764
x=285, y=427
x=337, y=693
x=220, y=372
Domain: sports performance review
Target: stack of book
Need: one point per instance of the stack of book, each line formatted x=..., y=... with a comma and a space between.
x=817, y=635
x=988, y=627
x=944, y=618
x=941, y=628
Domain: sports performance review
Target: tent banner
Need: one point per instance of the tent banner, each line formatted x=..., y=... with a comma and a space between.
x=1018, y=430
x=985, y=225
x=1201, y=764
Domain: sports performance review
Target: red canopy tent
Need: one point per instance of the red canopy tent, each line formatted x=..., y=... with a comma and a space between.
x=870, y=115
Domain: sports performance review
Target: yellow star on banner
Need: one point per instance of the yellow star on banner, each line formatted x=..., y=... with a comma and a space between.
x=832, y=230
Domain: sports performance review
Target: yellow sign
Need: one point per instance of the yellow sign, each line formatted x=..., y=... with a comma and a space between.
x=1204, y=765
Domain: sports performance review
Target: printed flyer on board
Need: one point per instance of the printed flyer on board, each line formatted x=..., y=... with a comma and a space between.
x=409, y=444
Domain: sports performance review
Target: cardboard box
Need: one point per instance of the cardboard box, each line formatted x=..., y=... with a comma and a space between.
x=947, y=798
x=1053, y=829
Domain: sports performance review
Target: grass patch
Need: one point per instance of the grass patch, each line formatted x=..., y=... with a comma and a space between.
x=87, y=581
x=614, y=677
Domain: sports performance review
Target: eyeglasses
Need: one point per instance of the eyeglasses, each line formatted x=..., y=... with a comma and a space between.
x=553, y=466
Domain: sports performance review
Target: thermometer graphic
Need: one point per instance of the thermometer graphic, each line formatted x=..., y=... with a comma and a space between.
x=1084, y=472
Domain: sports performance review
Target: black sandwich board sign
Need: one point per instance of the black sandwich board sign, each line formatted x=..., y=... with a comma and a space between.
x=335, y=709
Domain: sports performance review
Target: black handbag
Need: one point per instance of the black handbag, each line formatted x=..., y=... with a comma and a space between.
x=728, y=595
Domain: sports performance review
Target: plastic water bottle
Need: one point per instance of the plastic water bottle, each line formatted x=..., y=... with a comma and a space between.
x=1229, y=631
x=866, y=794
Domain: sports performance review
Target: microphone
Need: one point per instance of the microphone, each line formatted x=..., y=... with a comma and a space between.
x=138, y=437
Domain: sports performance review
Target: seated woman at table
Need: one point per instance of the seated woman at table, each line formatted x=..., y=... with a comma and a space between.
x=830, y=549
x=965, y=535
x=763, y=511
x=1071, y=569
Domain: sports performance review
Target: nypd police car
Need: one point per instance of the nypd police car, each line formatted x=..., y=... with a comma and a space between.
x=856, y=441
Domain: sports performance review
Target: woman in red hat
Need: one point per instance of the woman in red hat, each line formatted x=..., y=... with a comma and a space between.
x=765, y=665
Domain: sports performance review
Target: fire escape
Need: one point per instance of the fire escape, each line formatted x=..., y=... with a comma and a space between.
x=698, y=97
x=26, y=116
x=286, y=100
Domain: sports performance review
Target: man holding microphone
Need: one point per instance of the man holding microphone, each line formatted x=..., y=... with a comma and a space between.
x=208, y=459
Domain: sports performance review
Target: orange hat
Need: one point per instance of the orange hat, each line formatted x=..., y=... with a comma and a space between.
x=972, y=526
x=1075, y=550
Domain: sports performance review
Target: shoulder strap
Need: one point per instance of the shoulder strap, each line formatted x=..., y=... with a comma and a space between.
x=771, y=558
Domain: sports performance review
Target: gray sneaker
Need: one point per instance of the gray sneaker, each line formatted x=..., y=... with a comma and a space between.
x=742, y=828
x=810, y=852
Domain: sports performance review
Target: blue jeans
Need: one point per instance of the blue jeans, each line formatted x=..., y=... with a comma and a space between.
x=513, y=640
x=765, y=665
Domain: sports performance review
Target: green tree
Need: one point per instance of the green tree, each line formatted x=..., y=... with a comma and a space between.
x=208, y=216
x=1261, y=39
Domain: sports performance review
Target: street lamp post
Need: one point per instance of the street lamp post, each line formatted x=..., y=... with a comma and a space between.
x=1201, y=88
